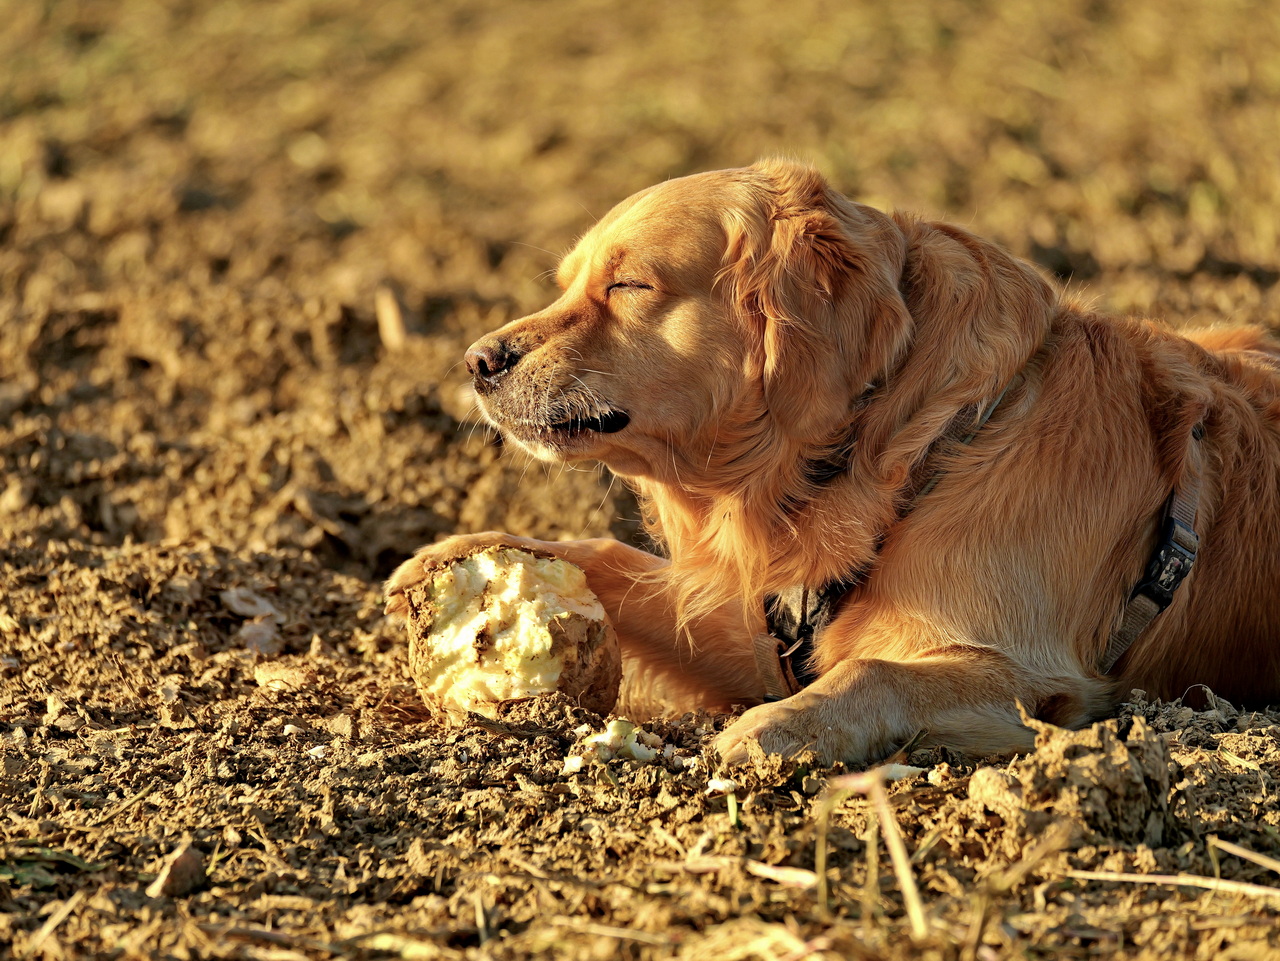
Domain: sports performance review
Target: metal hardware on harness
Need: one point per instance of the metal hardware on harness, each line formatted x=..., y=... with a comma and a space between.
x=1170, y=563
x=794, y=617
x=774, y=668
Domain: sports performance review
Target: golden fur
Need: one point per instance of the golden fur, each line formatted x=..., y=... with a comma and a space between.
x=753, y=323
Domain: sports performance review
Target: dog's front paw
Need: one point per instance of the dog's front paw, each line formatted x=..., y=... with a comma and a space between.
x=781, y=728
x=802, y=722
x=416, y=569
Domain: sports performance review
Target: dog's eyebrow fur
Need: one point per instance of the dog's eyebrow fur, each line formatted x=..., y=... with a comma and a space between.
x=624, y=265
x=617, y=257
x=572, y=264
x=565, y=272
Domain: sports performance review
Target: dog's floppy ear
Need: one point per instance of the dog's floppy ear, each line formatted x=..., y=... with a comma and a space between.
x=978, y=314
x=814, y=277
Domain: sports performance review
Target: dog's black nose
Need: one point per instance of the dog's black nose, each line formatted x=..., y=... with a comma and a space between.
x=486, y=359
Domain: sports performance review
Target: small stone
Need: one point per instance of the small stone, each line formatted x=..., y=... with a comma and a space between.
x=55, y=707
x=62, y=202
x=261, y=636
x=174, y=715
x=996, y=790
x=342, y=725
x=282, y=677
x=17, y=495
x=242, y=601
x=182, y=873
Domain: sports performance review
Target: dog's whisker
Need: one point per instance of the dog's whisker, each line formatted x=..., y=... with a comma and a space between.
x=715, y=439
x=675, y=469
x=543, y=250
x=587, y=211
x=613, y=479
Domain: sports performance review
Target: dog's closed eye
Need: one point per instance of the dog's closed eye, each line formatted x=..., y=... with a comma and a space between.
x=626, y=285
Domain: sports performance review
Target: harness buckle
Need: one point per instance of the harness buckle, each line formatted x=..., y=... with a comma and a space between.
x=1171, y=562
x=775, y=668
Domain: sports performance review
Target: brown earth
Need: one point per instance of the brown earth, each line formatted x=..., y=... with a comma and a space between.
x=209, y=458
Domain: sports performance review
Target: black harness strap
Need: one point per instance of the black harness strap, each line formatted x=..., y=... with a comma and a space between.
x=1170, y=562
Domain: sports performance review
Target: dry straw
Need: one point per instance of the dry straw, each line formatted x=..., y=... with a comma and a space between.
x=870, y=784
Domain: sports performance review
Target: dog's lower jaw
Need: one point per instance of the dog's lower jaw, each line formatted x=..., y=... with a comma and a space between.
x=524, y=437
x=634, y=460
x=625, y=462
x=548, y=455
x=552, y=446
x=557, y=438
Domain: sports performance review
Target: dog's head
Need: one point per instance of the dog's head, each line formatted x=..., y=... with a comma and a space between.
x=757, y=296
x=727, y=325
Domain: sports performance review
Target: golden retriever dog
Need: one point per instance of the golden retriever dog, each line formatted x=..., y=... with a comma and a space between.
x=902, y=487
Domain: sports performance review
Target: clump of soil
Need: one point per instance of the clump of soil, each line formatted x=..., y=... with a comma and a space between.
x=210, y=456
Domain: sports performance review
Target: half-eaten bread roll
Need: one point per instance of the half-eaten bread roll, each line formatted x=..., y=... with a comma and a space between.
x=504, y=624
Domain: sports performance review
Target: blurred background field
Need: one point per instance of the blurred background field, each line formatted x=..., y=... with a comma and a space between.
x=199, y=202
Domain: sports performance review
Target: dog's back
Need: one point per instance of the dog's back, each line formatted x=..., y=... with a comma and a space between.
x=1228, y=634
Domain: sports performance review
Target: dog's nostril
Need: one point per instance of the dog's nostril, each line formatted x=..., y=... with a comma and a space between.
x=488, y=359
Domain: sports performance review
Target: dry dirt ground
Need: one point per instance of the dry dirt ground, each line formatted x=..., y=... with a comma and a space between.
x=209, y=458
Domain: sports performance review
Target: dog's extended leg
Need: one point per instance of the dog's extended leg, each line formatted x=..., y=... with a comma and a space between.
x=965, y=698
x=663, y=670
